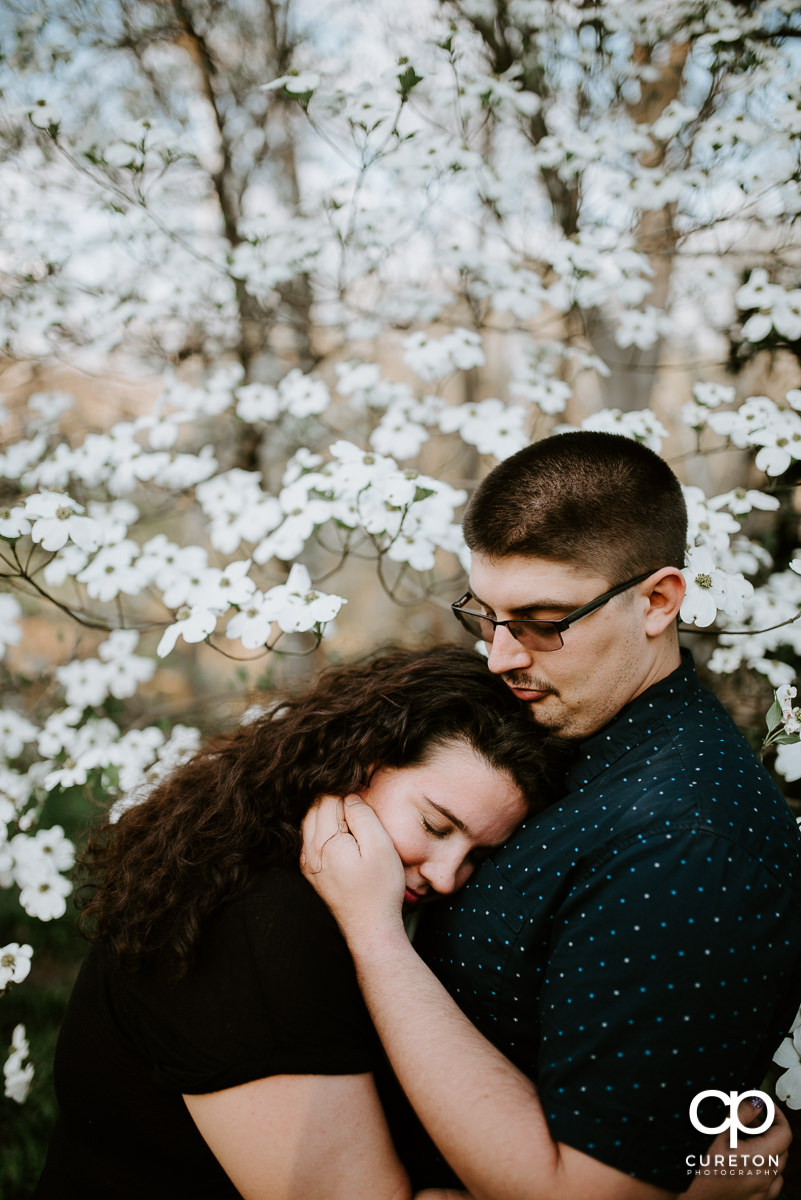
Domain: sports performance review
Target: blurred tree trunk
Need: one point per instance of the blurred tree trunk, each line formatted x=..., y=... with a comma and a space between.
x=630, y=383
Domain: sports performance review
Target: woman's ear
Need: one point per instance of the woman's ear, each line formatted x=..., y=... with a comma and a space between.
x=665, y=592
x=368, y=779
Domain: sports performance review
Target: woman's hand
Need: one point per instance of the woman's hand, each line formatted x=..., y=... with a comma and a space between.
x=746, y=1181
x=350, y=861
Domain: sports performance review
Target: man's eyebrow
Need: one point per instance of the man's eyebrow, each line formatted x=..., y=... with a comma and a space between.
x=562, y=605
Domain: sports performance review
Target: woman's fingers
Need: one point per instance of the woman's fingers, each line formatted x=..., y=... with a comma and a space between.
x=351, y=862
x=364, y=825
x=332, y=816
x=324, y=820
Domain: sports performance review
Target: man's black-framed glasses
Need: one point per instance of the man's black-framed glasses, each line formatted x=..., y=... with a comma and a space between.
x=534, y=635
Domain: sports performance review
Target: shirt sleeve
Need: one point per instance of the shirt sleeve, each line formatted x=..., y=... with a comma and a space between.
x=657, y=990
x=273, y=992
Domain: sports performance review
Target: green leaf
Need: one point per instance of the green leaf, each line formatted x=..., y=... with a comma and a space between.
x=774, y=716
x=407, y=80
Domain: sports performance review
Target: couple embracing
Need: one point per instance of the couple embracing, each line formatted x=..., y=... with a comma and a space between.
x=626, y=939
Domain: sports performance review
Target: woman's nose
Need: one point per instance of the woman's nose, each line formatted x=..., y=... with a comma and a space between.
x=447, y=870
x=445, y=873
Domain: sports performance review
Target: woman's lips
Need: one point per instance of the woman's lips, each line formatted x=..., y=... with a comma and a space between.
x=412, y=897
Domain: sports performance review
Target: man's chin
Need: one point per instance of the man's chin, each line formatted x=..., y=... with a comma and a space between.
x=546, y=715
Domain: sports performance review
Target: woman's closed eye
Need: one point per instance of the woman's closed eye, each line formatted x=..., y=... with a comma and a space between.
x=436, y=831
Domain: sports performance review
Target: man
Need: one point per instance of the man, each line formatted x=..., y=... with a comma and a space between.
x=630, y=947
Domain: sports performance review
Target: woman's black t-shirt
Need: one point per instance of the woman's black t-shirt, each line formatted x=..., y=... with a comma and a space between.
x=273, y=992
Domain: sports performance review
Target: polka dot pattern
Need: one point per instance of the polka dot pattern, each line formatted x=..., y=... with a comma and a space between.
x=639, y=942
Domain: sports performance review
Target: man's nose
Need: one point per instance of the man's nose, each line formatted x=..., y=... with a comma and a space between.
x=506, y=653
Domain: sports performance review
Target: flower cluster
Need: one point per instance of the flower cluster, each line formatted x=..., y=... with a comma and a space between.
x=784, y=731
x=404, y=514
x=775, y=430
x=490, y=425
x=772, y=307
x=294, y=607
x=434, y=358
x=117, y=672
x=35, y=864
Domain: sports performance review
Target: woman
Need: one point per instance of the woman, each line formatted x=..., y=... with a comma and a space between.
x=216, y=1042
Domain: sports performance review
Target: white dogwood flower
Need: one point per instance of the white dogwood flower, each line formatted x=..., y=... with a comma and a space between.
x=434, y=358
x=788, y=762
x=114, y=569
x=57, y=519
x=742, y=501
x=257, y=402
x=253, y=623
x=45, y=898
x=14, y=523
x=298, y=606
x=15, y=732
x=706, y=588
x=788, y=1055
x=490, y=425
x=780, y=442
x=10, y=632
x=17, y=1074
x=303, y=395
x=124, y=669
x=15, y=963
x=193, y=625
x=85, y=682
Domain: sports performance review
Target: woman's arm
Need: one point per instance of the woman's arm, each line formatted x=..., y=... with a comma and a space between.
x=323, y=1137
x=302, y=1137
x=481, y=1111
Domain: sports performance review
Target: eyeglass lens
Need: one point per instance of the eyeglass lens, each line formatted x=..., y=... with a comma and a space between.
x=534, y=635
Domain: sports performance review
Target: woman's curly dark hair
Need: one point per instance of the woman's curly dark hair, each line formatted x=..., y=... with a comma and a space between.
x=237, y=805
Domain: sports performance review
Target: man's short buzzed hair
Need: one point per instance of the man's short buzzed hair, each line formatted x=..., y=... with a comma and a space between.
x=601, y=502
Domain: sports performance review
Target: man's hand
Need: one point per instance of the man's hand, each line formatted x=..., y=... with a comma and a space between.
x=350, y=861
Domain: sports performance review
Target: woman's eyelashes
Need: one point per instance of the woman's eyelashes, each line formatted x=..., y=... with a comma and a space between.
x=434, y=830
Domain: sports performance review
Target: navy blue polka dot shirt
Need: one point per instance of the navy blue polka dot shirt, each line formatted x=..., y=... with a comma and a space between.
x=640, y=941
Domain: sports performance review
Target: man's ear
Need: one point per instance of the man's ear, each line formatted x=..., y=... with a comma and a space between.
x=665, y=592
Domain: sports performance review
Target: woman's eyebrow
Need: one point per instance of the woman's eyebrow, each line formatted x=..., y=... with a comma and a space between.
x=460, y=825
x=449, y=816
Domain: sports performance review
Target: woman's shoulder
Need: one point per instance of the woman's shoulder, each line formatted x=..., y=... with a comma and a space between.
x=278, y=894
x=279, y=883
x=271, y=990
x=276, y=916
